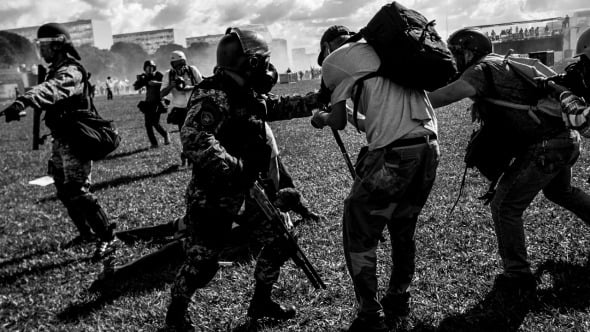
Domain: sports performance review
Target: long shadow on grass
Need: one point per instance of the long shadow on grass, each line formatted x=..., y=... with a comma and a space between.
x=570, y=286
x=152, y=271
x=489, y=315
x=570, y=291
x=120, y=181
x=39, y=269
x=108, y=292
x=125, y=154
x=34, y=253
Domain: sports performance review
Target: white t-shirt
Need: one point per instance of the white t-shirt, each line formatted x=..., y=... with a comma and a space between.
x=180, y=98
x=391, y=111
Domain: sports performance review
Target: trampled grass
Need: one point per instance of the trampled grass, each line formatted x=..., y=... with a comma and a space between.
x=44, y=288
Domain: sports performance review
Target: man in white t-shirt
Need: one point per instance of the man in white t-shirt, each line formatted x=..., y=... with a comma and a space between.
x=179, y=81
x=395, y=174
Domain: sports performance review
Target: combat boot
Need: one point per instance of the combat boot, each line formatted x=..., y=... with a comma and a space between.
x=263, y=306
x=106, y=245
x=397, y=309
x=177, y=317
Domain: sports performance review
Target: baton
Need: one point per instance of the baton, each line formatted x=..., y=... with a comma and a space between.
x=344, y=153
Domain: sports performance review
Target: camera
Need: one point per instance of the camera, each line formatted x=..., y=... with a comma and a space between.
x=140, y=81
x=574, y=79
x=180, y=83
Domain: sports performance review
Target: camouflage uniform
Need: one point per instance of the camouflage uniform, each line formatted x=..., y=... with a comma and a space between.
x=63, y=92
x=224, y=136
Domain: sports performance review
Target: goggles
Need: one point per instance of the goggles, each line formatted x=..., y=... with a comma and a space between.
x=46, y=40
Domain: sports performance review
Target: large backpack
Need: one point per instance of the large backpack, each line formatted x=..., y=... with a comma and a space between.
x=90, y=136
x=411, y=51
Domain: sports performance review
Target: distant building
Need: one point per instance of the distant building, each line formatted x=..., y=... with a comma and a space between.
x=83, y=32
x=151, y=40
x=303, y=60
x=557, y=34
x=208, y=39
x=280, y=54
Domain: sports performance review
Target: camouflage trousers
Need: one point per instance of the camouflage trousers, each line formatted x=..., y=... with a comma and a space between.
x=209, y=223
x=391, y=187
x=71, y=177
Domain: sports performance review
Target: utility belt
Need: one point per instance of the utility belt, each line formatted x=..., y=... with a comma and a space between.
x=425, y=139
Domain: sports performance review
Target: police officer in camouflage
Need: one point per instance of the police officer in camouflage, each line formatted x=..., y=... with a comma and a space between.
x=225, y=138
x=64, y=91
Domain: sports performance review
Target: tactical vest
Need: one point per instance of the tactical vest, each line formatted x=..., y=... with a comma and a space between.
x=53, y=113
x=244, y=130
x=516, y=126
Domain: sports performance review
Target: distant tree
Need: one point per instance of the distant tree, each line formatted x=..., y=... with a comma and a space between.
x=7, y=56
x=162, y=55
x=16, y=50
x=101, y=63
x=133, y=57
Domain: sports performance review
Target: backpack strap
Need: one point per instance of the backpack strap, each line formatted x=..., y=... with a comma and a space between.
x=192, y=75
x=85, y=83
x=358, y=85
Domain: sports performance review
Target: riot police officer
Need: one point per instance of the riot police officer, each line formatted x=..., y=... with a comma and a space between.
x=62, y=92
x=224, y=136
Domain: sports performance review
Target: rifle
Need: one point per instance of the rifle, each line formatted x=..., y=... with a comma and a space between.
x=273, y=215
x=37, y=139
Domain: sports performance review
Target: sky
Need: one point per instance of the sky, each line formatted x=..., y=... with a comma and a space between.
x=301, y=22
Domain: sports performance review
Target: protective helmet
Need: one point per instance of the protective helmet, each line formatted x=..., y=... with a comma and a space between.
x=252, y=42
x=149, y=63
x=57, y=33
x=238, y=43
x=472, y=39
x=583, y=45
x=177, y=55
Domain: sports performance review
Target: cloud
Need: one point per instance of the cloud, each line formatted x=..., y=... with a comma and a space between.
x=236, y=10
x=274, y=11
x=330, y=10
x=301, y=22
x=171, y=14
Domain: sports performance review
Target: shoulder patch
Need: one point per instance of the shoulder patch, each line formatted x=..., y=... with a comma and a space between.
x=208, y=115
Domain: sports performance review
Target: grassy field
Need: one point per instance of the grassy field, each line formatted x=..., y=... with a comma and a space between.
x=45, y=288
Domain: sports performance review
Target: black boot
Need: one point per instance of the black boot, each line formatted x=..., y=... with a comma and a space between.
x=177, y=317
x=397, y=309
x=106, y=245
x=263, y=306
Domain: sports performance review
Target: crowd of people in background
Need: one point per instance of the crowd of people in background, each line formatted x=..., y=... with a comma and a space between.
x=516, y=32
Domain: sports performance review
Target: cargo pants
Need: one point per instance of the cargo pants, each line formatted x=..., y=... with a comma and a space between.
x=391, y=188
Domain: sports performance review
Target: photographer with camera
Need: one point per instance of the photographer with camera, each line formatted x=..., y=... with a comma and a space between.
x=152, y=106
x=180, y=81
x=573, y=87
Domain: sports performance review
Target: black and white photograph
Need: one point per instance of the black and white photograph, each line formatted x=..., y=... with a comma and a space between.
x=280, y=165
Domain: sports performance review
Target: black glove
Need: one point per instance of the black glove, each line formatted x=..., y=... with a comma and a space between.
x=257, y=161
x=14, y=111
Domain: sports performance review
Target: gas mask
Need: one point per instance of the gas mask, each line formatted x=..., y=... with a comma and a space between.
x=262, y=74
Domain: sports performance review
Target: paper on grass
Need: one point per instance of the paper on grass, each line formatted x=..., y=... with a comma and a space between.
x=42, y=181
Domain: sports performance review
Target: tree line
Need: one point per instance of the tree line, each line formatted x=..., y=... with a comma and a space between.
x=122, y=60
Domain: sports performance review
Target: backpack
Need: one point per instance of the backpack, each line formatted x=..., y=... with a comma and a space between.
x=492, y=147
x=90, y=136
x=411, y=51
